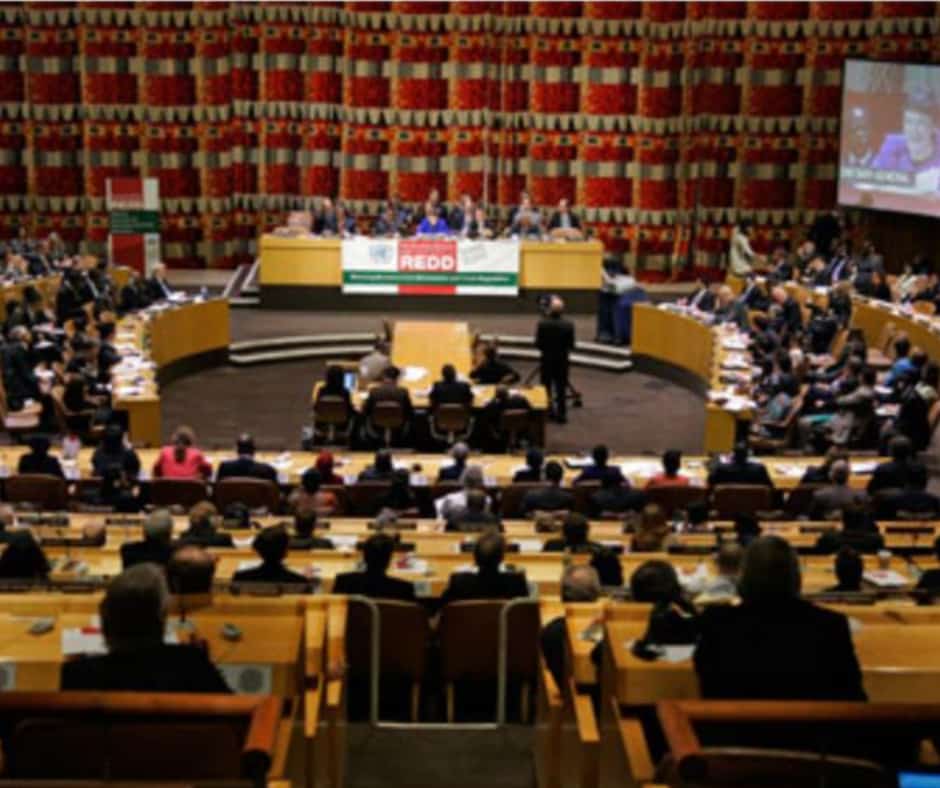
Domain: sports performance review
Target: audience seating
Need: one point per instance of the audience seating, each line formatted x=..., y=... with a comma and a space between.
x=363, y=497
x=332, y=419
x=253, y=493
x=177, y=492
x=800, y=500
x=37, y=489
x=513, y=425
x=510, y=504
x=451, y=422
x=387, y=418
x=673, y=498
x=729, y=500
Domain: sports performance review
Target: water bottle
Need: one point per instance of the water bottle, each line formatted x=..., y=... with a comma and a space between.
x=71, y=445
x=203, y=293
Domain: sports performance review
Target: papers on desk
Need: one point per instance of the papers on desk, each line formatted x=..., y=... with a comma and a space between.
x=90, y=640
x=410, y=563
x=242, y=542
x=671, y=654
x=885, y=578
x=70, y=470
x=789, y=470
x=863, y=467
x=244, y=565
x=528, y=545
x=412, y=374
x=737, y=404
x=736, y=361
x=640, y=467
x=733, y=343
x=572, y=462
x=344, y=541
x=883, y=391
x=888, y=410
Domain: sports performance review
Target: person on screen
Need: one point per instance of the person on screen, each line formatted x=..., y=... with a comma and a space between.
x=916, y=148
x=859, y=151
x=432, y=223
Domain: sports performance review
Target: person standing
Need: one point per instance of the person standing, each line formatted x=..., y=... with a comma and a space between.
x=554, y=339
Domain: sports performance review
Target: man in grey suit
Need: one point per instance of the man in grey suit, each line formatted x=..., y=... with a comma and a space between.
x=838, y=495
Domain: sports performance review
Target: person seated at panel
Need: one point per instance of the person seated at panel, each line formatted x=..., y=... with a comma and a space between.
x=551, y=498
x=345, y=221
x=616, y=498
x=182, y=460
x=38, y=459
x=563, y=223
x=388, y=390
x=670, y=477
x=450, y=391
x=916, y=148
x=730, y=310
x=202, y=530
x=849, y=569
x=492, y=370
x=723, y=587
x=480, y=228
x=309, y=495
x=134, y=295
x=489, y=581
x=399, y=496
x=334, y=385
x=579, y=583
x=432, y=223
x=156, y=546
x=191, y=570
x=374, y=363
x=245, y=465
x=575, y=532
x=859, y=531
x=461, y=217
x=651, y=532
x=304, y=538
x=838, y=495
x=703, y=297
x=271, y=545
x=324, y=464
x=774, y=645
x=534, y=470
x=599, y=469
x=527, y=224
x=740, y=470
x=894, y=474
x=113, y=453
x=158, y=288
x=374, y=581
x=386, y=224
x=133, y=622
x=473, y=516
x=819, y=474
x=381, y=469
x=325, y=221
x=450, y=504
x=23, y=560
x=453, y=471
x=913, y=500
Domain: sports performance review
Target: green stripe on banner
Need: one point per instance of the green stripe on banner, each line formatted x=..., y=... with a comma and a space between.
x=135, y=222
x=420, y=278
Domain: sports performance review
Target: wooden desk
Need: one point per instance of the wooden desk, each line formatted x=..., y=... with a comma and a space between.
x=430, y=345
x=871, y=316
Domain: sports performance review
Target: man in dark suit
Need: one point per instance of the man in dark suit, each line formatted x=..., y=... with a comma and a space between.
x=381, y=469
x=156, y=545
x=492, y=370
x=202, y=531
x=450, y=391
x=72, y=295
x=702, y=298
x=551, y=498
x=914, y=498
x=775, y=646
x=158, y=289
x=575, y=531
x=388, y=390
x=374, y=581
x=473, y=516
x=838, y=495
x=858, y=532
x=453, y=472
x=19, y=377
x=305, y=522
x=271, y=546
x=191, y=570
x=579, y=583
x=790, y=314
x=133, y=621
x=533, y=471
x=489, y=581
x=740, y=470
x=616, y=498
x=133, y=295
x=563, y=218
x=895, y=474
x=245, y=466
x=37, y=460
x=554, y=339
x=600, y=470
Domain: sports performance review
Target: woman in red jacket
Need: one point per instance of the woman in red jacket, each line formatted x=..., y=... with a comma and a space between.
x=182, y=460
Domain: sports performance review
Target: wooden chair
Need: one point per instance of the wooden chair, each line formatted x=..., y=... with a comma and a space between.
x=510, y=504
x=39, y=489
x=253, y=493
x=331, y=418
x=362, y=497
x=670, y=498
x=785, y=429
x=513, y=424
x=731, y=499
x=451, y=422
x=177, y=492
x=815, y=734
x=387, y=418
x=138, y=737
x=582, y=496
x=18, y=422
x=404, y=638
x=78, y=422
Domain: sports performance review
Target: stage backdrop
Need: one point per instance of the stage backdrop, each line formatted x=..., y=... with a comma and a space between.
x=644, y=114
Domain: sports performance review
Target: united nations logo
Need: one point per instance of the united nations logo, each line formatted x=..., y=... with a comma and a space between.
x=381, y=254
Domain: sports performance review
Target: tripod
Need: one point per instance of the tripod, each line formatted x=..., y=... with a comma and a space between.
x=572, y=395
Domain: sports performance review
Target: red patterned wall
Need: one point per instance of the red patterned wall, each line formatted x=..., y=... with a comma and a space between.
x=644, y=114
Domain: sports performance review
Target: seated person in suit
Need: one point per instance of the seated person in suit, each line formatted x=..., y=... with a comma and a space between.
x=575, y=531
x=489, y=581
x=202, y=530
x=245, y=466
x=7, y=522
x=670, y=477
x=616, y=498
x=23, y=559
x=305, y=523
x=723, y=588
x=399, y=496
x=452, y=472
x=271, y=546
x=156, y=545
x=579, y=583
x=894, y=474
x=492, y=370
x=930, y=580
x=450, y=391
x=374, y=581
x=652, y=533
x=774, y=645
x=600, y=469
x=388, y=390
x=492, y=415
x=37, y=459
x=838, y=495
x=473, y=516
x=373, y=364
x=673, y=619
x=914, y=498
x=133, y=621
x=432, y=223
x=191, y=570
x=182, y=460
x=381, y=469
x=849, y=569
x=533, y=471
x=563, y=222
x=309, y=495
x=157, y=285
x=819, y=474
x=335, y=386
x=552, y=498
x=472, y=479
x=859, y=531
x=740, y=470
x=114, y=453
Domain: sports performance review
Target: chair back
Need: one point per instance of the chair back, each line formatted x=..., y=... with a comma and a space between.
x=731, y=499
x=138, y=736
x=671, y=498
x=253, y=493
x=363, y=497
x=39, y=489
x=404, y=637
x=582, y=495
x=513, y=421
x=451, y=417
x=800, y=500
x=510, y=503
x=330, y=409
x=388, y=415
x=177, y=492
